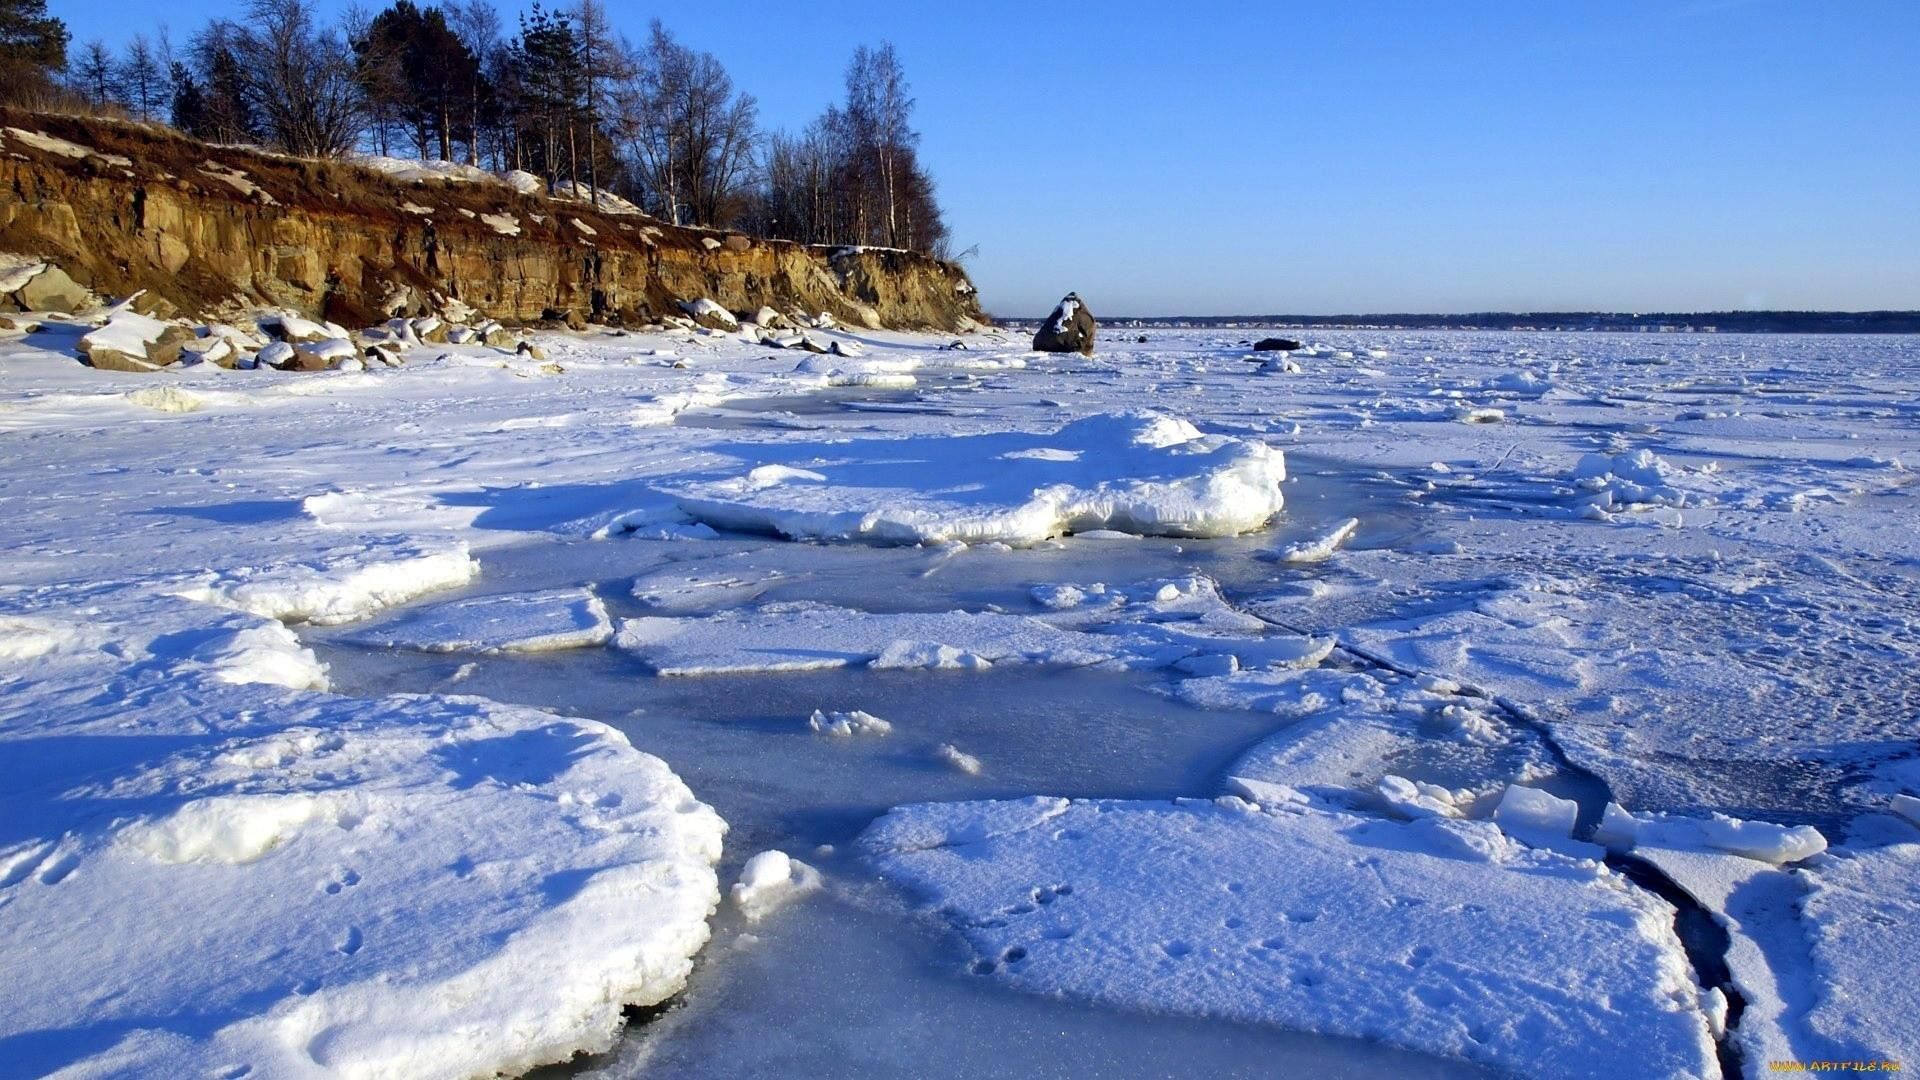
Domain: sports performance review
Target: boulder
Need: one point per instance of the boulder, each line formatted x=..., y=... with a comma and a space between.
x=1069, y=329
x=530, y=350
x=52, y=290
x=736, y=242
x=1272, y=344
x=131, y=341
x=211, y=349
x=772, y=320
x=813, y=344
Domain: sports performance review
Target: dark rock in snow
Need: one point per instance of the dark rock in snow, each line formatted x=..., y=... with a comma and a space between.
x=1275, y=344
x=1069, y=329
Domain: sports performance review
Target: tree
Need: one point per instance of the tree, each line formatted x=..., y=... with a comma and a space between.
x=141, y=78
x=92, y=76
x=550, y=88
x=414, y=68
x=187, y=108
x=298, y=79
x=33, y=49
x=227, y=114
x=691, y=134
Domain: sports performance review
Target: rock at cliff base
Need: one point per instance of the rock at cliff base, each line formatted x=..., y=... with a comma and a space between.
x=52, y=290
x=772, y=320
x=1069, y=329
x=1273, y=344
x=710, y=315
x=320, y=355
x=131, y=341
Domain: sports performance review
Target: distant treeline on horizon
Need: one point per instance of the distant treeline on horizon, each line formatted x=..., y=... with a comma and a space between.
x=1699, y=322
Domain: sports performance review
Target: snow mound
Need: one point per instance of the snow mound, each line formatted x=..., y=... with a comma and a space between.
x=1436, y=936
x=770, y=881
x=296, y=915
x=341, y=589
x=1132, y=472
x=517, y=622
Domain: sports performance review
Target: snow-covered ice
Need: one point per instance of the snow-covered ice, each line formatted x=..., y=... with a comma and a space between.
x=1416, y=663
x=1433, y=935
x=1132, y=472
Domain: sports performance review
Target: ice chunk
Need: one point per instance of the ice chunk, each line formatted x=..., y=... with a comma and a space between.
x=1535, y=817
x=1319, y=548
x=848, y=723
x=1766, y=842
x=958, y=759
x=343, y=588
x=514, y=622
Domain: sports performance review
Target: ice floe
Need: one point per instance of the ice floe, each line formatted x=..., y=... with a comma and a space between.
x=514, y=622
x=1434, y=935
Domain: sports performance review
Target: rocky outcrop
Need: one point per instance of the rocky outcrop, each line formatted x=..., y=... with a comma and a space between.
x=1069, y=329
x=123, y=207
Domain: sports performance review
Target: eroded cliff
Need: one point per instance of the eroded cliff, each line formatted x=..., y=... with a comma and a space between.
x=122, y=207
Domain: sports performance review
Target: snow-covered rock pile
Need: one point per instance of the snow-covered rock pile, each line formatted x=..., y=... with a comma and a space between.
x=1132, y=472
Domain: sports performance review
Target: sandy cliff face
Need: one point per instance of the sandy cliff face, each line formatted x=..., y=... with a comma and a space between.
x=122, y=207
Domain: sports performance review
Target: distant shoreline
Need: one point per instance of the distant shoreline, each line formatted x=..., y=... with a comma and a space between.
x=1700, y=322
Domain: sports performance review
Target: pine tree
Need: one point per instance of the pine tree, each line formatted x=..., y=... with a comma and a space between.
x=33, y=49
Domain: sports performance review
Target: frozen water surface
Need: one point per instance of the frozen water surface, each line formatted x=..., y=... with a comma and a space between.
x=1599, y=648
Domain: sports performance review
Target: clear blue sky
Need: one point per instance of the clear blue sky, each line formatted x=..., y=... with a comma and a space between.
x=1345, y=157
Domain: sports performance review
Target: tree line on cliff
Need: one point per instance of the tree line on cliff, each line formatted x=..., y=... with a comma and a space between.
x=561, y=94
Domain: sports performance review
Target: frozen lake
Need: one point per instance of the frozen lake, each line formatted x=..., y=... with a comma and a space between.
x=1260, y=732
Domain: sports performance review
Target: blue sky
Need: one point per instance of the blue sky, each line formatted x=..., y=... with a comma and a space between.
x=1349, y=157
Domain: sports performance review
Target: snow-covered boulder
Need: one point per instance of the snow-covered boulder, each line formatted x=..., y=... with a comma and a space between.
x=131, y=341
x=710, y=315
x=1069, y=329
